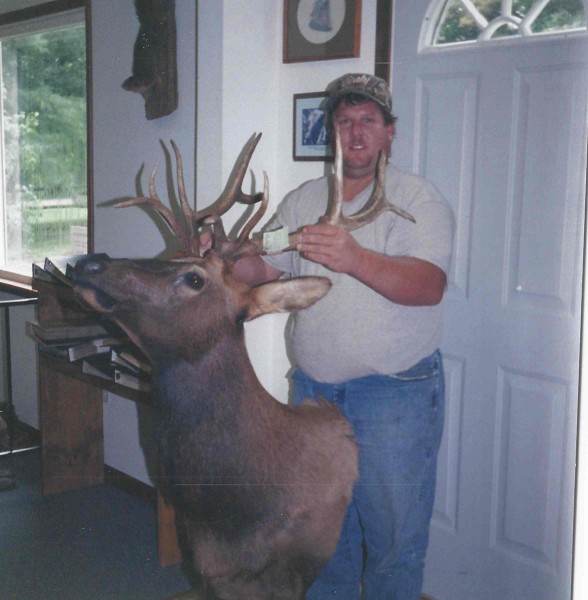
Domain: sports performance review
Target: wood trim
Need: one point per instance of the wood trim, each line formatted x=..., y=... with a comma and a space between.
x=129, y=484
x=296, y=48
x=40, y=10
x=17, y=287
x=170, y=552
x=89, y=129
x=383, y=39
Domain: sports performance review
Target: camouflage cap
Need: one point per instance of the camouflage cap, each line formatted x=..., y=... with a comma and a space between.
x=372, y=87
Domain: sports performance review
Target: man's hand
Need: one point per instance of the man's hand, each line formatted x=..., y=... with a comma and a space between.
x=330, y=246
x=400, y=279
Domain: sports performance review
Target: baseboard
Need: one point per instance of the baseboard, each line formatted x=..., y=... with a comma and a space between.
x=29, y=430
x=27, y=435
x=129, y=484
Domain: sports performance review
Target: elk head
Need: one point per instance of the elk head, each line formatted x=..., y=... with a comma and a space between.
x=160, y=304
x=180, y=309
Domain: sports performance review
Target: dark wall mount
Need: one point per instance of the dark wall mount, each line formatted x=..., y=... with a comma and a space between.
x=154, y=58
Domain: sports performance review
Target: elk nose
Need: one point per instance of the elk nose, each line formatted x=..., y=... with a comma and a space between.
x=93, y=266
x=90, y=265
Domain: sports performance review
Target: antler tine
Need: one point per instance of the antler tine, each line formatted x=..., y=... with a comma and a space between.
x=183, y=197
x=232, y=192
x=334, y=214
x=166, y=214
x=373, y=208
x=377, y=203
x=245, y=233
x=232, y=250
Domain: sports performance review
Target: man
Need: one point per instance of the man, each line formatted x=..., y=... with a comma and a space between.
x=370, y=345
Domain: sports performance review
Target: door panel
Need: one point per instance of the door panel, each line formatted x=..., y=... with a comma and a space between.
x=501, y=130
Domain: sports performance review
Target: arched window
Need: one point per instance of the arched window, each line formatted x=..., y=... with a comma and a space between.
x=462, y=21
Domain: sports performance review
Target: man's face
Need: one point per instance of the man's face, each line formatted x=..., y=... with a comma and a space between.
x=363, y=134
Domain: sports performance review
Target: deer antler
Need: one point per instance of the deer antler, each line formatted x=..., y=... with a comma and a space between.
x=232, y=250
x=187, y=233
x=373, y=208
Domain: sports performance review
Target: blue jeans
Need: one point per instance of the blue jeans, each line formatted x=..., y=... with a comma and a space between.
x=398, y=423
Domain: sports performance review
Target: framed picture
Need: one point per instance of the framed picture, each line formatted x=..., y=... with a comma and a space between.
x=311, y=141
x=321, y=29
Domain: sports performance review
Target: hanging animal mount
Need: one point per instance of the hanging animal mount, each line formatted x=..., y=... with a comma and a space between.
x=154, y=58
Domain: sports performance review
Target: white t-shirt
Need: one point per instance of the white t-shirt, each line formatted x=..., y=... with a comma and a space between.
x=353, y=331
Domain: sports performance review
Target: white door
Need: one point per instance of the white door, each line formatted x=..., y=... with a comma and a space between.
x=500, y=128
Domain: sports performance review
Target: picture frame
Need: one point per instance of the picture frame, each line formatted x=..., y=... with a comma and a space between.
x=321, y=30
x=310, y=138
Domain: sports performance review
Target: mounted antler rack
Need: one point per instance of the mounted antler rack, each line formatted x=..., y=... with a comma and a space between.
x=186, y=229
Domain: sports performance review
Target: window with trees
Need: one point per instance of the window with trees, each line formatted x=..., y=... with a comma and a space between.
x=459, y=21
x=43, y=134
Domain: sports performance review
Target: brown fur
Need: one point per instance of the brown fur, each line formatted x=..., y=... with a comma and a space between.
x=260, y=487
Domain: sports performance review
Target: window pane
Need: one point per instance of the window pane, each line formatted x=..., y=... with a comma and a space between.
x=456, y=25
x=460, y=22
x=560, y=15
x=44, y=138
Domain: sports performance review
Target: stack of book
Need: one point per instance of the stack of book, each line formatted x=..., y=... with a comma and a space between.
x=100, y=352
x=124, y=364
x=101, y=349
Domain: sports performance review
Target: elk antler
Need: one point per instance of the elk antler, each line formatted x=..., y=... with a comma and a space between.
x=187, y=233
x=232, y=250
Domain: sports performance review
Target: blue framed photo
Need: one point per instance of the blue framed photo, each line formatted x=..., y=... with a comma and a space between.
x=311, y=138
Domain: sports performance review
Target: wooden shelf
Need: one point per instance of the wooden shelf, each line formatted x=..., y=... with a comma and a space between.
x=25, y=290
x=74, y=370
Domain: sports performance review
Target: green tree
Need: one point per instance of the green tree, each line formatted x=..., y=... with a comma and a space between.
x=50, y=76
x=458, y=25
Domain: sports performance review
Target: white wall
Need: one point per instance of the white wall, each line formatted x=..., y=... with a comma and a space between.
x=124, y=141
x=23, y=360
x=243, y=87
x=257, y=95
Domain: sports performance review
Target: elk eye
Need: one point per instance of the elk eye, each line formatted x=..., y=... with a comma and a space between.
x=195, y=281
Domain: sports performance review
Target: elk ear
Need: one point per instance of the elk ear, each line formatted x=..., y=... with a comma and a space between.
x=286, y=295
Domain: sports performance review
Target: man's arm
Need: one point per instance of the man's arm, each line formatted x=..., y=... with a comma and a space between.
x=400, y=279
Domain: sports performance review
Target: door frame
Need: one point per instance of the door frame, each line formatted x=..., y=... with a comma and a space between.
x=580, y=556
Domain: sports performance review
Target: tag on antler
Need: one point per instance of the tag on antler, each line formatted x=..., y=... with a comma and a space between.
x=275, y=241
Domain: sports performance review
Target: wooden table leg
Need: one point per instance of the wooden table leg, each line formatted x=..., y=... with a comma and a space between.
x=169, y=548
x=71, y=432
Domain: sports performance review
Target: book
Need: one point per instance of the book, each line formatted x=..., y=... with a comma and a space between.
x=56, y=351
x=40, y=274
x=61, y=331
x=99, y=366
x=130, y=359
x=130, y=380
x=99, y=345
